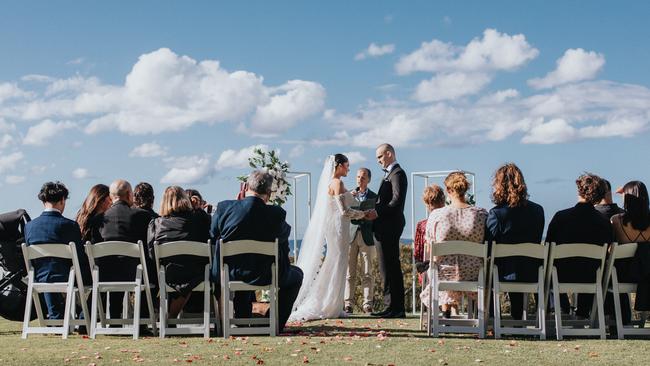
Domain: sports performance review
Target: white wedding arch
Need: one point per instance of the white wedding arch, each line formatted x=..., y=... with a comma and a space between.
x=427, y=176
x=295, y=178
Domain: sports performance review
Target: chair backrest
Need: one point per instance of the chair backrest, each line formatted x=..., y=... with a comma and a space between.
x=122, y=248
x=174, y=248
x=456, y=247
x=580, y=250
x=530, y=250
x=622, y=251
x=36, y=251
x=237, y=247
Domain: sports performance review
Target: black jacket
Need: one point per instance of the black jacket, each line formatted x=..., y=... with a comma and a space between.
x=390, y=204
x=579, y=224
x=514, y=225
x=366, y=225
x=251, y=219
x=120, y=222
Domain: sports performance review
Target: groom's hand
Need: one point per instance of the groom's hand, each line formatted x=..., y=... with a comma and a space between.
x=371, y=215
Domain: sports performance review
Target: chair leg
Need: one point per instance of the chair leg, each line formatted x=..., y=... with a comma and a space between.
x=601, y=310
x=435, y=313
x=163, y=304
x=137, y=304
x=28, y=304
x=556, y=303
x=497, y=308
x=94, y=307
x=617, y=307
x=206, y=308
x=480, y=306
x=69, y=300
x=541, y=313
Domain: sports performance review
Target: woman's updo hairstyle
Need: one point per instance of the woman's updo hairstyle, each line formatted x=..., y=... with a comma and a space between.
x=340, y=159
x=591, y=188
x=458, y=183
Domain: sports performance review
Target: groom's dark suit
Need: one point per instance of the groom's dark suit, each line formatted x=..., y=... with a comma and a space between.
x=252, y=219
x=388, y=228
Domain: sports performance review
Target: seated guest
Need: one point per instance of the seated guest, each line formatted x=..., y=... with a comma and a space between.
x=97, y=202
x=143, y=198
x=252, y=219
x=433, y=198
x=515, y=219
x=52, y=228
x=633, y=226
x=580, y=224
x=178, y=221
x=201, y=208
x=606, y=206
x=458, y=221
x=120, y=222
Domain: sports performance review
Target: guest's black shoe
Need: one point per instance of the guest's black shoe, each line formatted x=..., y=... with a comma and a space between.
x=395, y=315
x=348, y=309
x=382, y=313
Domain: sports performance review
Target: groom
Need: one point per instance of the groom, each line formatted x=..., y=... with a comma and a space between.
x=388, y=227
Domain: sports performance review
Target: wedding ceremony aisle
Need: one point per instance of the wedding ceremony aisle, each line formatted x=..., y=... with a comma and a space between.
x=353, y=341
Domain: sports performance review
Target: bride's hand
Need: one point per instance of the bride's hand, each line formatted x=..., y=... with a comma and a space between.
x=371, y=214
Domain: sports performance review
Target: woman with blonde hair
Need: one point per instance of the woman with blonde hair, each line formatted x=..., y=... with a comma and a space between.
x=434, y=198
x=457, y=221
x=178, y=221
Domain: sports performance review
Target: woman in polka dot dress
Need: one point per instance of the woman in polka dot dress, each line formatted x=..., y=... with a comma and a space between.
x=458, y=221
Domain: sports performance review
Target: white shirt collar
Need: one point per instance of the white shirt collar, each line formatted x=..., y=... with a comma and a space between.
x=390, y=167
x=51, y=209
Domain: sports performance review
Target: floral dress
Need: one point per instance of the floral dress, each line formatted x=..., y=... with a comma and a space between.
x=454, y=223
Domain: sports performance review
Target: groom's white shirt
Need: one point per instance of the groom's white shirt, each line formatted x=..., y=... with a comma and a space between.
x=390, y=168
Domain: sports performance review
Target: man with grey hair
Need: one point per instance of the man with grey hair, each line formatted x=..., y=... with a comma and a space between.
x=252, y=218
x=120, y=222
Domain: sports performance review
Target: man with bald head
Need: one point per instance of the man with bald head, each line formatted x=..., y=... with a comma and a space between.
x=120, y=222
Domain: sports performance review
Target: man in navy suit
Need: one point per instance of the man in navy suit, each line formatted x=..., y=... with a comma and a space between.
x=252, y=219
x=52, y=228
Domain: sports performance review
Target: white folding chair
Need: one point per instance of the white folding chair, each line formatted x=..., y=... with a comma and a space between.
x=69, y=288
x=136, y=286
x=577, y=250
x=528, y=250
x=232, y=248
x=436, y=324
x=202, y=321
x=622, y=251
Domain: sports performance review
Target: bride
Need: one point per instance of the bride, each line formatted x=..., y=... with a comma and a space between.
x=328, y=235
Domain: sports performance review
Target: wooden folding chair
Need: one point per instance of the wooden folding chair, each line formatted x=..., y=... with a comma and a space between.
x=232, y=248
x=69, y=288
x=136, y=286
x=578, y=250
x=528, y=250
x=436, y=324
x=202, y=321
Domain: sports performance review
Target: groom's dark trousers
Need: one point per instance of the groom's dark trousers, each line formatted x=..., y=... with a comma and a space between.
x=388, y=228
x=252, y=219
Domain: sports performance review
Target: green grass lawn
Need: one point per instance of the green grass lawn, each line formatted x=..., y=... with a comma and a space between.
x=352, y=341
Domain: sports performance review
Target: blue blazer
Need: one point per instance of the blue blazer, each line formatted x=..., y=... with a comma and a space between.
x=251, y=219
x=52, y=228
x=514, y=225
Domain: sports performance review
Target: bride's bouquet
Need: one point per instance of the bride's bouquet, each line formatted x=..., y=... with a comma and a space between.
x=271, y=163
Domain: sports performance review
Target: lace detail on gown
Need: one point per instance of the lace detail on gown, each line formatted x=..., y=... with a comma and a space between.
x=321, y=297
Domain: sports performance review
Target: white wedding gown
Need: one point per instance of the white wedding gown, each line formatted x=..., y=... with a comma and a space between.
x=328, y=235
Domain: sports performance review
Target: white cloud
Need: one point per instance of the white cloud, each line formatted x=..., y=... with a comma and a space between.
x=237, y=158
x=80, y=173
x=289, y=103
x=297, y=151
x=375, y=50
x=39, y=169
x=584, y=110
x=43, y=132
x=355, y=157
x=76, y=61
x=12, y=91
x=148, y=150
x=495, y=51
x=15, y=179
x=5, y=141
x=38, y=78
x=9, y=162
x=166, y=92
x=551, y=132
x=194, y=169
x=450, y=86
x=574, y=65
x=5, y=126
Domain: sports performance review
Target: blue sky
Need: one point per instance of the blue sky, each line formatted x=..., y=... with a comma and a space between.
x=177, y=92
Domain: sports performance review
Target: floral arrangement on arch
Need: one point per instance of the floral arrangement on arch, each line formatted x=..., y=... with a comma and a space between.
x=270, y=162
